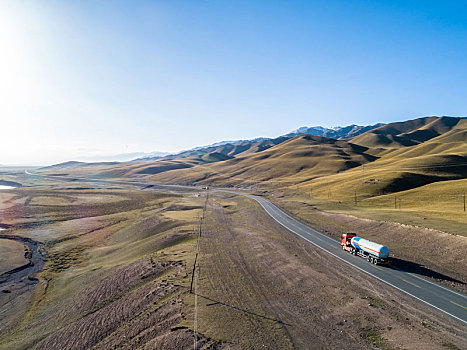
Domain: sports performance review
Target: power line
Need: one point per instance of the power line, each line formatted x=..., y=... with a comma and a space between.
x=194, y=277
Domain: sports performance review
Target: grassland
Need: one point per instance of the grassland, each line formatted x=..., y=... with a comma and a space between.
x=118, y=271
x=119, y=252
x=439, y=206
x=410, y=174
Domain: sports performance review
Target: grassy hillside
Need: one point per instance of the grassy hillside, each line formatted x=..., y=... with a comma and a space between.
x=441, y=158
x=230, y=149
x=115, y=273
x=396, y=157
x=296, y=160
x=408, y=133
x=376, y=168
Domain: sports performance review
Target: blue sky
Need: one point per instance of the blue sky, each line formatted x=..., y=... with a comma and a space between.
x=86, y=78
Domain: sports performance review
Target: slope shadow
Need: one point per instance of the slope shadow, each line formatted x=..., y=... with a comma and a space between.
x=412, y=267
x=216, y=302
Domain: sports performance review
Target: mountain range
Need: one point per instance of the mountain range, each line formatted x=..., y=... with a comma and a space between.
x=394, y=157
x=242, y=147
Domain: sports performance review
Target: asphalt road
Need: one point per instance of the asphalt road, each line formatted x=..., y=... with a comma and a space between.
x=441, y=298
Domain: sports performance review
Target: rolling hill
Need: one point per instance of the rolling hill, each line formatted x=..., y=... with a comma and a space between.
x=395, y=157
x=299, y=159
x=408, y=133
x=243, y=147
x=436, y=151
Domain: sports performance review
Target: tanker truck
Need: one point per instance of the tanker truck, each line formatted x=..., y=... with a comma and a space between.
x=375, y=253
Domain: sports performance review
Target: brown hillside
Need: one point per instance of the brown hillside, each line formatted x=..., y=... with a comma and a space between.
x=299, y=159
x=232, y=149
x=441, y=158
x=408, y=133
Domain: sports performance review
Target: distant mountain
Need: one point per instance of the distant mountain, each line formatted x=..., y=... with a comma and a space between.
x=222, y=143
x=125, y=157
x=74, y=165
x=243, y=147
x=340, y=132
x=297, y=159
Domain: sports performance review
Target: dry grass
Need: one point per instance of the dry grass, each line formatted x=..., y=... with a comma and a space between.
x=104, y=257
x=121, y=280
x=438, y=206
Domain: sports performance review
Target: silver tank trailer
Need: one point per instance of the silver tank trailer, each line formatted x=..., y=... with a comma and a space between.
x=370, y=247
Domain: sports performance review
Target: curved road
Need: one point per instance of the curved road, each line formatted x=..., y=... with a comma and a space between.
x=441, y=298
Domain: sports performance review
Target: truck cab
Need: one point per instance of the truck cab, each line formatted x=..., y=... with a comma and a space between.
x=345, y=240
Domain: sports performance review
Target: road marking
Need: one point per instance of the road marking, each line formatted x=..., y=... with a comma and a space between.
x=427, y=281
x=413, y=284
x=459, y=305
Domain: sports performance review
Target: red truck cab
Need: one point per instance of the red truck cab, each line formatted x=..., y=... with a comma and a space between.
x=345, y=240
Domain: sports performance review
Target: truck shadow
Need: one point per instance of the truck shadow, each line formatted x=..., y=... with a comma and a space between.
x=412, y=267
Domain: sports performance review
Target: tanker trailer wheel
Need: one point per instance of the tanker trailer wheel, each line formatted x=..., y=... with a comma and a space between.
x=369, y=258
x=375, y=261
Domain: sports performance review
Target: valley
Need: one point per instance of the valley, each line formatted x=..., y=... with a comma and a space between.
x=114, y=248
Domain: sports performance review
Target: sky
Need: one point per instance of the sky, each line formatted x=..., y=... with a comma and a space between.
x=80, y=80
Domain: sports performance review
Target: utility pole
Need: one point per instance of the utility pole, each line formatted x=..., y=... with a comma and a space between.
x=395, y=202
x=196, y=256
x=464, y=201
x=195, y=344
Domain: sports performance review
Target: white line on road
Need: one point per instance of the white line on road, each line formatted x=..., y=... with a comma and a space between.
x=367, y=272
